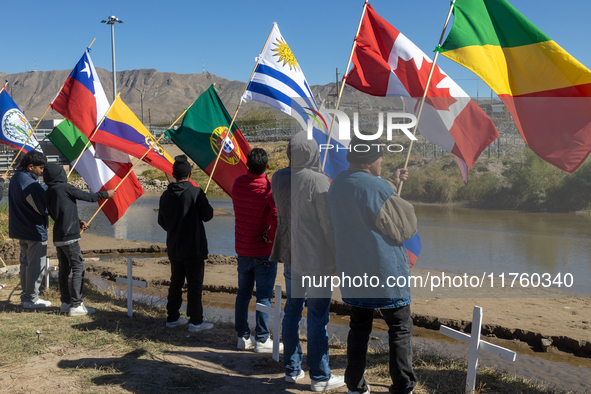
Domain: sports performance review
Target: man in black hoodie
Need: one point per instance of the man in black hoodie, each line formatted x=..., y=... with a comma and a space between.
x=60, y=199
x=183, y=209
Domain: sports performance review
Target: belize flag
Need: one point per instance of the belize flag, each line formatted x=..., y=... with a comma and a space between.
x=15, y=127
x=82, y=99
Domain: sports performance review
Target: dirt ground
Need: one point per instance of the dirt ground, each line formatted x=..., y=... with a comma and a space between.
x=526, y=314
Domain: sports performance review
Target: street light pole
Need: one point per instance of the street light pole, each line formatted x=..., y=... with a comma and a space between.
x=111, y=21
x=142, y=101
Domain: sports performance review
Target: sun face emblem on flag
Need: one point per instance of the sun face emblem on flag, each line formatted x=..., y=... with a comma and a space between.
x=15, y=126
x=285, y=54
x=223, y=139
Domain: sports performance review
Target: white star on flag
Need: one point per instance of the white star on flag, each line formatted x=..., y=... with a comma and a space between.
x=87, y=70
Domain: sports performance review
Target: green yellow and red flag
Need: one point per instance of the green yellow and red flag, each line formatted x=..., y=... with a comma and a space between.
x=204, y=132
x=546, y=90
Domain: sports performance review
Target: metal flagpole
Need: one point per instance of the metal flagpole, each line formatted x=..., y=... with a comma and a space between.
x=340, y=91
x=426, y=89
x=237, y=109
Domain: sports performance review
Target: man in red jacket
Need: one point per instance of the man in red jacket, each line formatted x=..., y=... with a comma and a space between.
x=256, y=221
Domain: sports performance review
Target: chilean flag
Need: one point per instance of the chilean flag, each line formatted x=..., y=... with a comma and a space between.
x=386, y=63
x=82, y=99
x=83, y=102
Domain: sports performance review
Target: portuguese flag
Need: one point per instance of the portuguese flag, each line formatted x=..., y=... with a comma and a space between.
x=546, y=90
x=204, y=132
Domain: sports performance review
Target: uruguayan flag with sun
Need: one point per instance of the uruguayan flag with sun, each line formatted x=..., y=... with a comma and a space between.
x=278, y=78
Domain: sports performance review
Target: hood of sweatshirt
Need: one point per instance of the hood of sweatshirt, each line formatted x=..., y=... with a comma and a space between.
x=54, y=174
x=178, y=188
x=302, y=152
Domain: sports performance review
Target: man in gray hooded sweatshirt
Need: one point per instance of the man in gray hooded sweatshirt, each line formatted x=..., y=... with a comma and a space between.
x=60, y=199
x=304, y=244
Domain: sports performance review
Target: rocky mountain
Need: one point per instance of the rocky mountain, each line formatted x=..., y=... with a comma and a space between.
x=165, y=94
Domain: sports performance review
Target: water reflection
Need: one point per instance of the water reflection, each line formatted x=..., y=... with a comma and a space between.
x=454, y=239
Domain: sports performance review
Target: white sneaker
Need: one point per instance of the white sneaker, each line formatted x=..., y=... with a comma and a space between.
x=80, y=310
x=294, y=379
x=334, y=382
x=37, y=304
x=65, y=308
x=266, y=347
x=361, y=392
x=200, y=327
x=179, y=322
x=245, y=343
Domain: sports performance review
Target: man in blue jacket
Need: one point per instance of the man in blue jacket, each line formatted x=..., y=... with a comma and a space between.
x=27, y=222
x=370, y=224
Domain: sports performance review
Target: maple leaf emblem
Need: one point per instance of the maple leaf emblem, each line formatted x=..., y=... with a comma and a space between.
x=414, y=80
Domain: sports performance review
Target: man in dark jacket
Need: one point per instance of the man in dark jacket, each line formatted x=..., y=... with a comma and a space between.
x=256, y=221
x=60, y=199
x=27, y=222
x=183, y=209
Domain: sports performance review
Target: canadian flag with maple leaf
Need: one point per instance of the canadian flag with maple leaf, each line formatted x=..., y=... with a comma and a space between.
x=386, y=63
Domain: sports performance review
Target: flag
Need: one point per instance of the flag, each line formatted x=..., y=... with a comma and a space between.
x=122, y=130
x=100, y=175
x=386, y=63
x=15, y=127
x=204, y=132
x=278, y=81
x=82, y=99
x=546, y=90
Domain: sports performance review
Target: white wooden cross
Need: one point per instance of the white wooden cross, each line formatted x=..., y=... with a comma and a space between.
x=476, y=344
x=130, y=283
x=277, y=316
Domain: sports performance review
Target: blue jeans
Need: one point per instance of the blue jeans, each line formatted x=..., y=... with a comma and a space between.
x=263, y=272
x=318, y=317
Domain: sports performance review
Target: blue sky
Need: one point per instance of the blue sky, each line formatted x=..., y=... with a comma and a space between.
x=180, y=36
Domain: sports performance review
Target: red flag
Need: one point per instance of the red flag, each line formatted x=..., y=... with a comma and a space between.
x=83, y=102
x=386, y=63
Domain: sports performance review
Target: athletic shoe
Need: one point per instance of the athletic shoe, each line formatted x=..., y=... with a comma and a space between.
x=65, y=308
x=334, y=382
x=37, y=304
x=200, y=327
x=266, y=347
x=361, y=392
x=245, y=343
x=179, y=322
x=80, y=310
x=294, y=379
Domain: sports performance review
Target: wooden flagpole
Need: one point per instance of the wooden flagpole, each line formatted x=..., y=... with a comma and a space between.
x=27, y=140
x=238, y=108
x=91, y=135
x=414, y=132
x=133, y=167
x=47, y=135
x=340, y=91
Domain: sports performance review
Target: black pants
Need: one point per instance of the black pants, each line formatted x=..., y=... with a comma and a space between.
x=400, y=332
x=193, y=271
x=70, y=259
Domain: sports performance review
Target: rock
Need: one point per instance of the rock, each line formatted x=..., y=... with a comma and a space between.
x=546, y=343
x=11, y=271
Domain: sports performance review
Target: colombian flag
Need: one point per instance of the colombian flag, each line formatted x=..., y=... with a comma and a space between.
x=546, y=90
x=122, y=130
